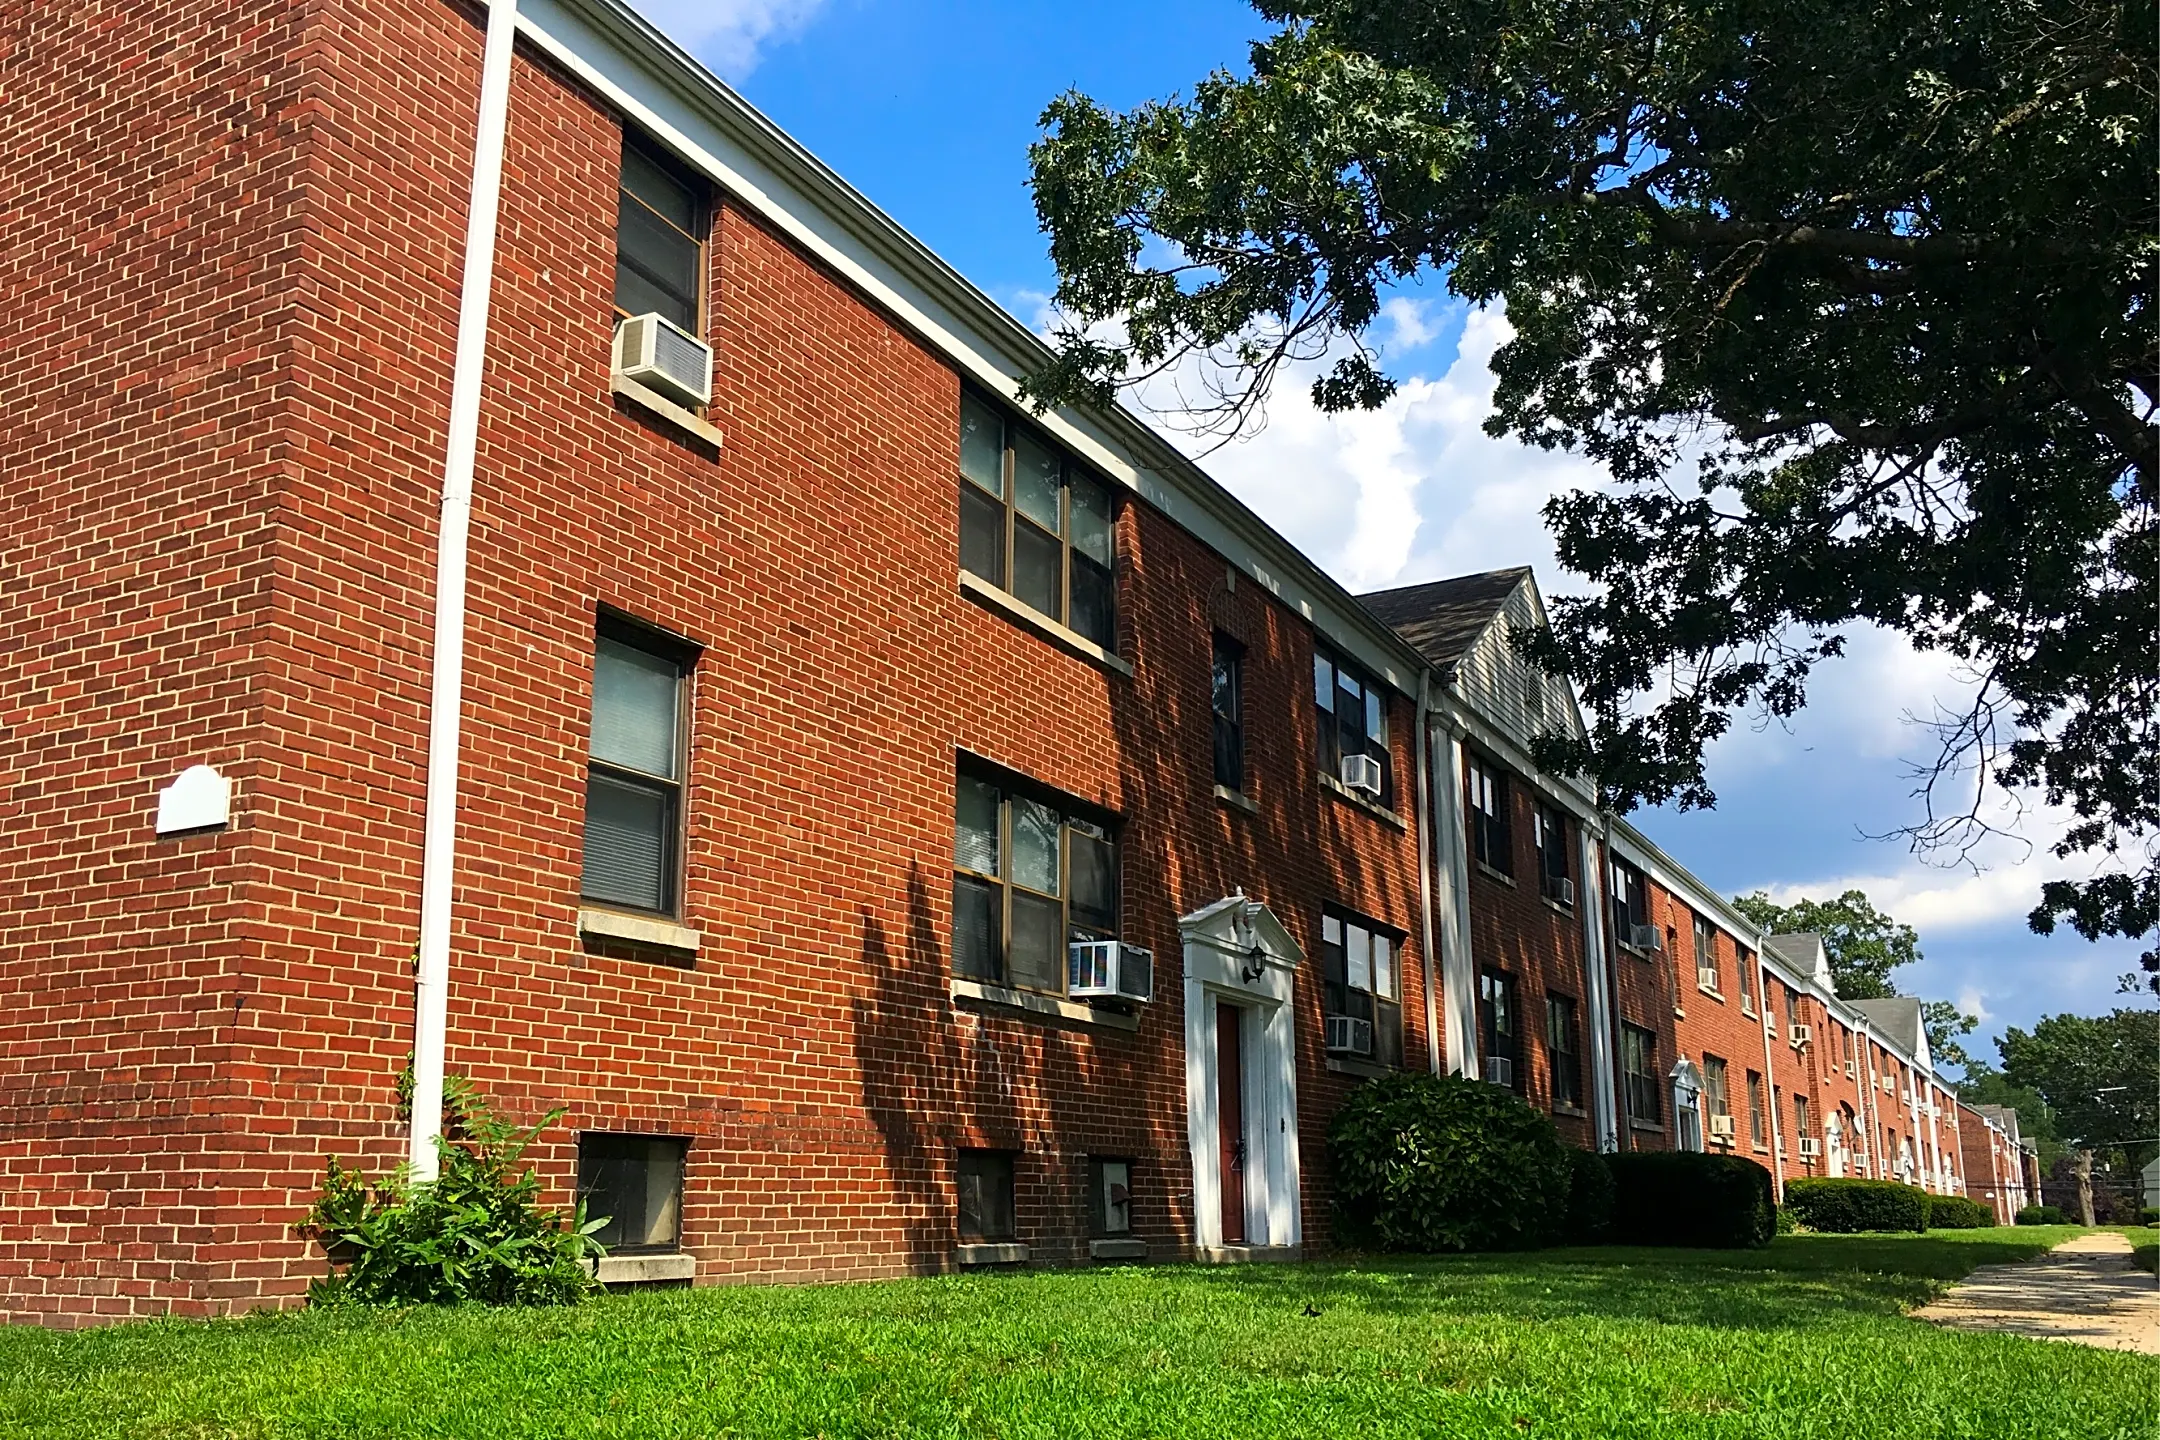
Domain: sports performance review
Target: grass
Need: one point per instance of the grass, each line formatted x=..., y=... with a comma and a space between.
x=1804, y=1339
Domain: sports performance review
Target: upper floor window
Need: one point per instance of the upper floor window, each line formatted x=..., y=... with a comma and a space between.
x=633, y=779
x=1030, y=876
x=1638, y=1065
x=1491, y=836
x=1353, y=721
x=660, y=228
x=1745, y=966
x=1706, y=969
x=1630, y=902
x=1229, y=707
x=1556, y=876
x=1035, y=524
x=1360, y=987
x=1563, y=1051
x=1500, y=1029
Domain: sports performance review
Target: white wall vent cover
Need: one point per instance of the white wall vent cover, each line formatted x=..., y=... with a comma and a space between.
x=198, y=799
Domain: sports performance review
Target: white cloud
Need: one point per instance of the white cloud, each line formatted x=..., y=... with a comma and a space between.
x=1973, y=1001
x=728, y=35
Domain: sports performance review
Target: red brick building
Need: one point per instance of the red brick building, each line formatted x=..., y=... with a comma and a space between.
x=902, y=830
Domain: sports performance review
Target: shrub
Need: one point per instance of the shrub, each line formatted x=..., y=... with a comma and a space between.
x=2040, y=1215
x=1956, y=1212
x=1847, y=1206
x=475, y=1233
x=1786, y=1224
x=1431, y=1162
x=1684, y=1197
x=2148, y=1215
x=1590, y=1198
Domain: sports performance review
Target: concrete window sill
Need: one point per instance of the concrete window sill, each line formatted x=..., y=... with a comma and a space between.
x=1498, y=876
x=1573, y=1112
x=1030, y=1004
x=1557, y=908
x=693, y=425
x=647, y=930
x=1717, y=995
x=1237, y=799
x=1348, y=796
x=1003, y=1254
x=643, y=1269
x=1648, y=1127
x=1072, y=642
x=1117, y=1249
x=1247, y=1254
x=1351, y=1065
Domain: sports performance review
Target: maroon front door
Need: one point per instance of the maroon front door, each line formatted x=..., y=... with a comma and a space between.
x=1230, y=1120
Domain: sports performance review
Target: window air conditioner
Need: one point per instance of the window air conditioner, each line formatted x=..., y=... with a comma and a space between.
x=1361, y=773
x=1860, y=1156
x=1810, y=1147
x=1109, y=970
x=1646, y=937
x=1801, y=1035
x=1848, y=1069
x=1721, y=1127
x=1348, y=1035
x=1706, y=976
x=1499, y=1070
x=1558, y=888
x=660, y=355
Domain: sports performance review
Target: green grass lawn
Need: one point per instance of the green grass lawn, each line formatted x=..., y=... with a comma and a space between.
x=1804, y=1339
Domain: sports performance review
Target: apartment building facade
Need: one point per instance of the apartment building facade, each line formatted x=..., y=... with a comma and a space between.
x=475, y=479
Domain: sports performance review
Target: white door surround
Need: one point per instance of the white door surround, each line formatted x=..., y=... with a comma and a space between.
x=1236, y=951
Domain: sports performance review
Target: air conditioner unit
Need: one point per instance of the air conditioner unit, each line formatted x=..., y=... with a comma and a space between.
x=1109, y=970
x=1810, y=1147
x=662, y=356
x=1706, y=976
x=1889, y=1085
x=1361, y=773
x=1859, y=1157
x=1802, y=1034
x=1499, y=1070
x=1646, y=937
x=1558, y=888
x=1848, y=1069
x=1348, y=1035
x=1721, y=1127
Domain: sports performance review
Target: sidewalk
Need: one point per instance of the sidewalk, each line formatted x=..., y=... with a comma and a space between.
x=2084, y=1290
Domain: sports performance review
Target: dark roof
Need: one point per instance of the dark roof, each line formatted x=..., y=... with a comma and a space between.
x=1443, y=617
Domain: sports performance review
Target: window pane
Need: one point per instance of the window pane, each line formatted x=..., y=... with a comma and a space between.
x=986, y=1196
x=1037, y=961
x=656, y=266
x=1094, y=882
x=1038, y=570
x=1375, y=717
x=627, y=843
x=634, y=1182
x=1358, y=951
x=1094, y=606
x=976, y=921
x=1383, y=965
x=1091, y=533
x=982, y=445
x=1037, y=831
x=1116, y=1197
x=651, y=182
x=634, y=708
x=975, y=825
x=1330, y=930
x=982, y=535
x=1038, y=481
x=1323, y=680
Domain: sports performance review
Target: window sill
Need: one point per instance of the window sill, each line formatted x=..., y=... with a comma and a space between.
x=1556, y=907
x=1362, y=1069
x=1005, y=1253
x=1717, y=995
x=979, y=995
x=1573, y=1112
x=1371, y=807
x=1648, y=1127
x=1237, y=799
x=1072, y=642
x=693, y=425
x=647, y=930
x=643, y=1269
x=1117, y=1249
x=1636, y=950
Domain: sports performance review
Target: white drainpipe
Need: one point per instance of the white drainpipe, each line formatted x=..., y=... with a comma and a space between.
x=439, y=854
x=1425, y=862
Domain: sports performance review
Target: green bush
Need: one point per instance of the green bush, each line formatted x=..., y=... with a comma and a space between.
x=1786, y=1224
x=1849, y=1206
x=2148, y=1215
x=1685, y=1197
x=1590, y=1198
x=1956, y=1212
x=2040, y=1215
x=1432, y=1162
x=474, y=1234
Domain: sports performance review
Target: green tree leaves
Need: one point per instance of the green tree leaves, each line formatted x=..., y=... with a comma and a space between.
x=2100, y=1077
x=1864, y=944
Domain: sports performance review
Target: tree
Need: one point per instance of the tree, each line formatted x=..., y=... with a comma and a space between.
x=1864, y=944
x=2100, y=1075
x=1984, y=1085
x=1944, y=1022
x=1853, y=298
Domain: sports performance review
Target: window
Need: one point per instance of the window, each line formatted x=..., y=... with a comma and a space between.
x=1035, y=524
x=660, y=230
x=1491, y=837
x=1030, y=876
x=634, y=1182
x=1745, y=965
x=1705, y=954
x=1500, y=1029
x=1110, y=1197
x=1758, y=1126
x=1563, y=1051
x=1229, y=706
x=1802, y=1126
x=986, y=1197
x=633, y=781
x=1715, y=1094
x=1360, y=980
x=1353, y=720
x=1630, y=902
x=1548, y=827
x=1638, y=1061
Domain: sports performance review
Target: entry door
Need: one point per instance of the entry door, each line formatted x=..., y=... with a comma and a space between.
x=1230, y=1118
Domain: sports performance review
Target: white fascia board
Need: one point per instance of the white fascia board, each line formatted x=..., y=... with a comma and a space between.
x=635, y=68
x=1634, y=847
x=1458, y=715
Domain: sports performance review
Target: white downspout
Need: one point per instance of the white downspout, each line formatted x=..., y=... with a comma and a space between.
x=1597, y=981
x=431, y=992
x=1451, y=863
x=1425, y=858
x=1769, y=1065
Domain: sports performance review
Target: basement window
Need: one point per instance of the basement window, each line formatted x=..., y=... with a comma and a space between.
x=986, y=1197
x=635, y=1183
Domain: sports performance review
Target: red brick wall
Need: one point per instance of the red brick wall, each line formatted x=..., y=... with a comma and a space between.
x=1719, y=1023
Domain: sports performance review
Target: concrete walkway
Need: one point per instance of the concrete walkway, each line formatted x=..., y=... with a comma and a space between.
x=2084, y=1290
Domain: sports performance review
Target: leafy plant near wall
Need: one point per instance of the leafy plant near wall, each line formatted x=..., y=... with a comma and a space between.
x=475, y=1234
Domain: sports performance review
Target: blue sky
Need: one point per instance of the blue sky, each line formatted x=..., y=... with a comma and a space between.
x=928, y=108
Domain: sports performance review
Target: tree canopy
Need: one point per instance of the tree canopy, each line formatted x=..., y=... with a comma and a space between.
x=2100, y=1076
x=1863, y=944
x=1854, y=299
